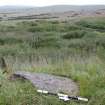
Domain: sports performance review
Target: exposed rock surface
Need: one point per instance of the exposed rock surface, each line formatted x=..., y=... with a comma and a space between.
x=49, y=82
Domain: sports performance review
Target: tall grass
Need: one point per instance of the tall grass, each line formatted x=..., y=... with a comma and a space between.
x=71, y=49
x=89, y=74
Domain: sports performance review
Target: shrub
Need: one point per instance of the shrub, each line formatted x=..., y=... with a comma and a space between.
x=35, y=29
x=74, y=34
x=99, y=25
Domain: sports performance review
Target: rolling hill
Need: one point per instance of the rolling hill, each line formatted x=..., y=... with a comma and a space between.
x=55, y=8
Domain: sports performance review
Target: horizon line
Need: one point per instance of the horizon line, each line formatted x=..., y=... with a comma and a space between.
x=55, y=5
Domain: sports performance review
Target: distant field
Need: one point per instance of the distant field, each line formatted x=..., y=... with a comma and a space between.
x=57, y=12
x=73, y=49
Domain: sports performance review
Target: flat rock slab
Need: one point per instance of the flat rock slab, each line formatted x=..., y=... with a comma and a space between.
x=49, y=82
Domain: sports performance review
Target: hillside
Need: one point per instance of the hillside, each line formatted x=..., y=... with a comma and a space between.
x=51, y=9
x=58, y=12
x=69, y=43
x=72, y=49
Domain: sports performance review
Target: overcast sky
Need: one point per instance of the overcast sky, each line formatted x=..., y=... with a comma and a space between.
x=50, y=2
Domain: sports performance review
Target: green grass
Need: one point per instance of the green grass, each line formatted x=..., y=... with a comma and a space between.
x=89, y=73
x=71, y=49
